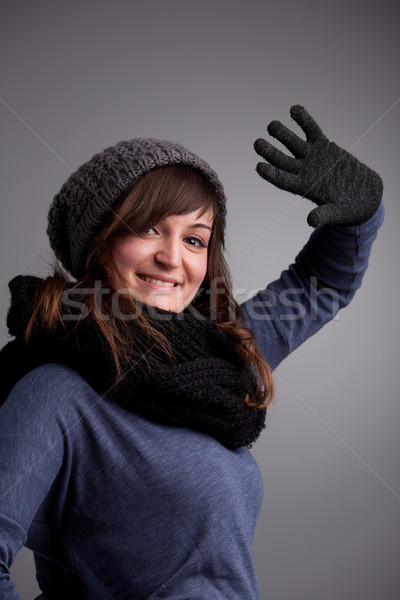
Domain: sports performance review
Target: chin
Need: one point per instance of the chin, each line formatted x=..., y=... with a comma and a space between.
x=169, y=305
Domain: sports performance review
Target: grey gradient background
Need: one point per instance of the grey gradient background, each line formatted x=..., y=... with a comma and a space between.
x=78, y=76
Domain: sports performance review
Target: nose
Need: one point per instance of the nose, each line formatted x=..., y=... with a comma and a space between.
x=169, y=253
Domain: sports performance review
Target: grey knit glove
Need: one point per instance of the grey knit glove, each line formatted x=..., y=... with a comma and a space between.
x=345, y=190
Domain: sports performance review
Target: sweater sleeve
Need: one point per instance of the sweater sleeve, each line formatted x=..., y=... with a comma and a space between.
x=32, y=440
x=323, y=279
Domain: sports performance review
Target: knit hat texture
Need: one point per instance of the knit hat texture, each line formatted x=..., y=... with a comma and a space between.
x=90, y=193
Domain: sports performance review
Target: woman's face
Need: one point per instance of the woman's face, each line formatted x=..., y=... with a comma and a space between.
x=165, y=266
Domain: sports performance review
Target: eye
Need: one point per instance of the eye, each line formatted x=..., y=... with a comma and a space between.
x=150, y=231
x=195, y=241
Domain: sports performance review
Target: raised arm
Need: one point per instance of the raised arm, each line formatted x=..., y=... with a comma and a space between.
x=330, y=268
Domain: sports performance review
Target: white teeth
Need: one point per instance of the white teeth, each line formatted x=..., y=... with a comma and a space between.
x=158, y=281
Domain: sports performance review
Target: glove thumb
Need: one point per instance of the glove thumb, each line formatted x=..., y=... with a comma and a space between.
x=322, y=215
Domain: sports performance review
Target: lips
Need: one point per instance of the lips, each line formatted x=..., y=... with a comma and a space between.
x=168, y=283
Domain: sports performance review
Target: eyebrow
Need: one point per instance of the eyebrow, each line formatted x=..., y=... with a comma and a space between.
x=202, y=225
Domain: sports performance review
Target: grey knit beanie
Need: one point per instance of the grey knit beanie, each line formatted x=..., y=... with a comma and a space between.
x=91, y=192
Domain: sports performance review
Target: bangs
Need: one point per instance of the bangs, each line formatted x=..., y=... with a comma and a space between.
x=162, y=192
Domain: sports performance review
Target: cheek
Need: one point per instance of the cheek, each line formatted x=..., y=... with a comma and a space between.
x=127, y=252
x=201, y=270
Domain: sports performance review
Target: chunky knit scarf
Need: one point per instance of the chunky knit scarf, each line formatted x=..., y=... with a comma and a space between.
x=202, y=387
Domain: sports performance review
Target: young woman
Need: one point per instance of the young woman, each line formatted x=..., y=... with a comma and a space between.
x=133, y=390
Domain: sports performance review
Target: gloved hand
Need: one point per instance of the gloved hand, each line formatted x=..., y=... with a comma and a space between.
x=345, y=190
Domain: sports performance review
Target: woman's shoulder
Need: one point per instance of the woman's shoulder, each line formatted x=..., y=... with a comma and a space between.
x=50, y=386
x=51, y=377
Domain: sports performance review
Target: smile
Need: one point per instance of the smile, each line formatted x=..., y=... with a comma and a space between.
x=155, y=281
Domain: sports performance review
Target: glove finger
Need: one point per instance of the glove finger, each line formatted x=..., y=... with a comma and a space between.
x=281, y=179
x=297, y=146
x=275, y=156
x=324, y=214
x=306, y=122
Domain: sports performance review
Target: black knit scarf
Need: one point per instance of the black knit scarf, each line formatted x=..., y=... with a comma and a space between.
x=203, y=387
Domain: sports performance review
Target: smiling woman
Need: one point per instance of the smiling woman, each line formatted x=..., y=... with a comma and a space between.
x=160, y=236
x=136, y=383
x=165, y=231
x=166, y=265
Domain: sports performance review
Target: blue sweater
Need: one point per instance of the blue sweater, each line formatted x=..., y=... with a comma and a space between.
x=118, y=507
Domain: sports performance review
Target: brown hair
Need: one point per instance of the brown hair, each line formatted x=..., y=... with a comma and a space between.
x=161, y=192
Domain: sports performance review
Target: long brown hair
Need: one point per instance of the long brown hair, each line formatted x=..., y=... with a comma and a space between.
x=161, y=192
